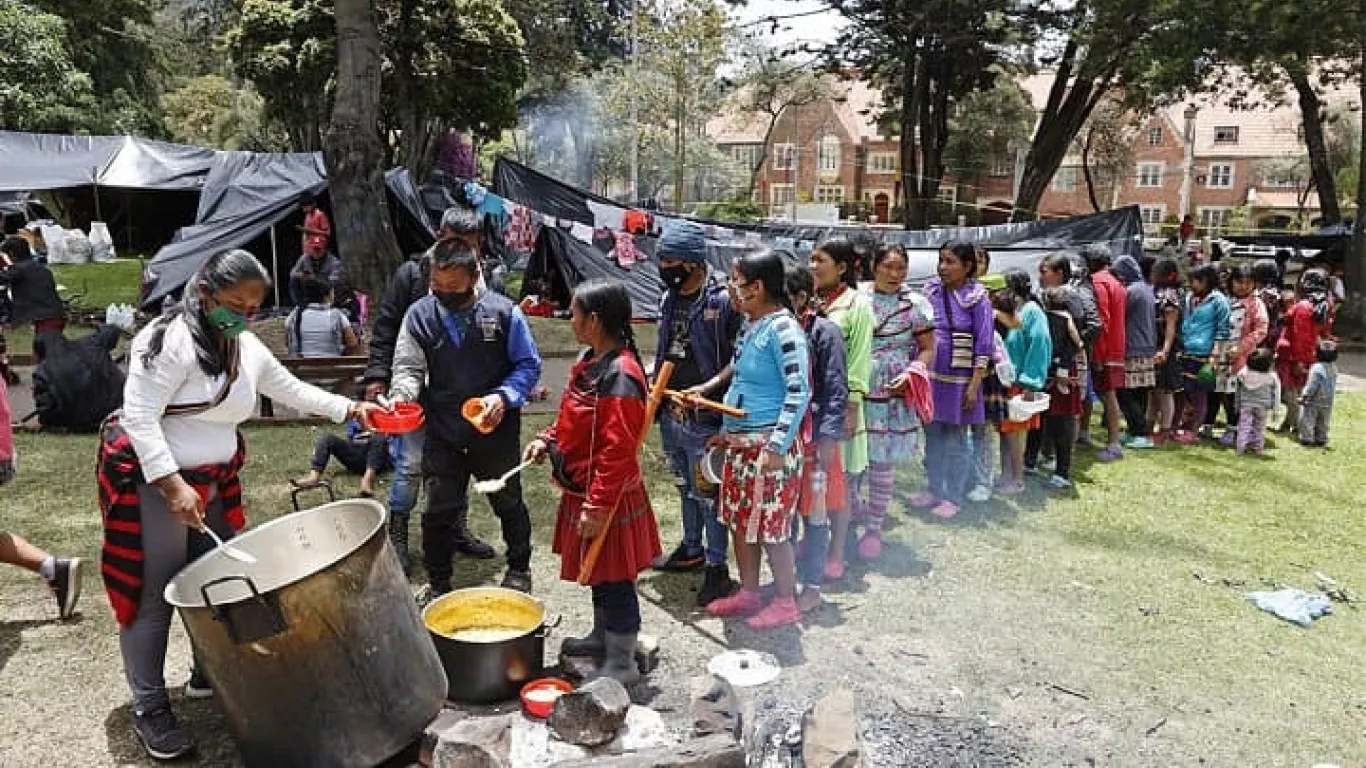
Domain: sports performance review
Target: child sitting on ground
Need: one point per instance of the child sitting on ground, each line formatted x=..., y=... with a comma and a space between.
x=1259, y=389
x=1316, y=401
x=362, y=453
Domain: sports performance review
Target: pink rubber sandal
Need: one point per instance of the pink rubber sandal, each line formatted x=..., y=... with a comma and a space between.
x=742, y=603
x=779, y=613
x=870, y=546
x=946, y=510
x=834, y=570
x=923, y=500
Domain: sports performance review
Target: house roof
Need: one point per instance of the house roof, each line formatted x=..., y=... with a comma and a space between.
x=857, y=107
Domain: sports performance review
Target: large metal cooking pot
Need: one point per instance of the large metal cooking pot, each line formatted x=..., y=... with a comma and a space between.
x=491, y=641
x=316, y=652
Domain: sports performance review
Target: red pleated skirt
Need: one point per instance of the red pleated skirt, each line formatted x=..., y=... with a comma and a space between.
x=632, y=541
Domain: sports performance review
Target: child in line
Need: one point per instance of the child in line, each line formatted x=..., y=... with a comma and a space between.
x=1259, y=389
x=1316, y=401
x=822, y=473
x=1204, y=332
x=1169, y=303
x=1064, y=391
x=1030, y=349
x=1247, y=325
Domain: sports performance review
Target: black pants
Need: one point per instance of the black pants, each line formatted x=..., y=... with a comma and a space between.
x=1134, y=404
x=620, y=606
x=447, y=470
x=357, y=457
x=1221, y=400
x=1057, y=432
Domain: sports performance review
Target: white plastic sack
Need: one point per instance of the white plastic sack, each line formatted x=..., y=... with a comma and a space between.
x=55, y=238
x=101, y=243
x=78, y=248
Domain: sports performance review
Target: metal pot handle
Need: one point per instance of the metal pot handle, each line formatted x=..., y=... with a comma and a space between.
x=550, y=624
x=248, y=621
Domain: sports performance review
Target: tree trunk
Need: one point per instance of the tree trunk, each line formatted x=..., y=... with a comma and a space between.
x=1086, y=169
x=353, y=151
x=1311, y=113
x=763, y=155
x=1352, y=317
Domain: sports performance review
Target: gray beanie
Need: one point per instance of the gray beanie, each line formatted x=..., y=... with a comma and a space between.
x=683, y=241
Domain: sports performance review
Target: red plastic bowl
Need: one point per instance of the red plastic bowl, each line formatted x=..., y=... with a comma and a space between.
x=540, y=708
x=401, y=418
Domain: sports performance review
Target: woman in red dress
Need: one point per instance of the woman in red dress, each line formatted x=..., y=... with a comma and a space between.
x=592, y=447
x=1308, y=321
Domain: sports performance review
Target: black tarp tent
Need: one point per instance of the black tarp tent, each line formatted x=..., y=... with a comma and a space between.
x=251, y=201
x=562, y=261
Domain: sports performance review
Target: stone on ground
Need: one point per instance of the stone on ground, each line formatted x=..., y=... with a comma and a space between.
x=478, y=742
x=717, y=751
x=715, y=707
x=830, y=732
x=592, y=714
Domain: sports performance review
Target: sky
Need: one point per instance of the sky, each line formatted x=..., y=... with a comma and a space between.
x=820, y=28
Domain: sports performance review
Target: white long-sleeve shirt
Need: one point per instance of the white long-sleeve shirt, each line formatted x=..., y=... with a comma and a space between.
x=164, y=444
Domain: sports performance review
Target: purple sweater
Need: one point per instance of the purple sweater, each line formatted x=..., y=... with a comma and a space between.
x=965, y=311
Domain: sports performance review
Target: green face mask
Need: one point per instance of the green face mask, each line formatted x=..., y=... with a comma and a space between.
x=227, y=322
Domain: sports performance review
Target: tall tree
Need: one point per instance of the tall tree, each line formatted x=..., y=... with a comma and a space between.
x=1141, y=50
x=354, y=153
x=927, y=57
x=41, y=88
x=287, y=49
x=1106, y=145
x=769, y=86
x=986, y=128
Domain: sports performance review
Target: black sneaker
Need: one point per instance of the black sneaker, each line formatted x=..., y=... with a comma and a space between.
x=716, y=584
x=161, y=734
x=66, y=585
x=199, y=686
x=473, y=547
x=681, y=561
x=518, y=580
x=438, y=587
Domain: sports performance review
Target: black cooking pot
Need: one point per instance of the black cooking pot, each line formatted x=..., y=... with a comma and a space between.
x=491, y=642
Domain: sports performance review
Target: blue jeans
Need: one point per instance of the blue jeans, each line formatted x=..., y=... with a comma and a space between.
x=407, y=482
x=685, y=444
x=811, y=564
x=948, y=461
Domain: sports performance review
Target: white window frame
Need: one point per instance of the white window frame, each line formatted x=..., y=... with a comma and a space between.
x=787, y=199
x=746, y=155
x=783, y=155
x=1003, y=167
x=1230, y=138
x=1155, y=135
x=830, y=194
x=1144, y=177
x=1066, y=182
x=1205, y=221
x=1159, y=208
x=948, y=195
x=882, y=163
x=1273, y=180
x=1225, y=180
x=828, y=154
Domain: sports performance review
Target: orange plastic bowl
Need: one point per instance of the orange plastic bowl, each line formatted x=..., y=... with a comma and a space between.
x=539, y=696
x=473, y=411
x=401, y=418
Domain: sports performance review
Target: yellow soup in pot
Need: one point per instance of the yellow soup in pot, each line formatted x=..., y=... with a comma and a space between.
x=483, y=618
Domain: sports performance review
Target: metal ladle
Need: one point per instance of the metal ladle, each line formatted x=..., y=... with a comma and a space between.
x=232, y=552
x=498, y=484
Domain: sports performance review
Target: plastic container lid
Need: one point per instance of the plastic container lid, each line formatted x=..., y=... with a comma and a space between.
x=713, y=465
x=1023, y=410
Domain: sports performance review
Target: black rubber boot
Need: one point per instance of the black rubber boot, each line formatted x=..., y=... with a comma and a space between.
x=716, y=584
x=592, y=645
x=398, y=536
x=619, y=661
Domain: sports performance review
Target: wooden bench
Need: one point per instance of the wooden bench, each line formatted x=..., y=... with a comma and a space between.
x=335, y=374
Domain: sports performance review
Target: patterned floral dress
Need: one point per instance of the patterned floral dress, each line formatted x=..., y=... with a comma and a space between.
x=893, y=427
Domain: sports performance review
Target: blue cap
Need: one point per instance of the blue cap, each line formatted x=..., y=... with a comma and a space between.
x=683, y=241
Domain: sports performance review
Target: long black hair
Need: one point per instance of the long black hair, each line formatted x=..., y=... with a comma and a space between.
x=1060, y=263
x=1207, y=274
x=885, y=251
x=965, y=252
x=1018, y=283
x=768, y=268
x=610, y=301
x=223, y=270
x=1167, y=271
x=842, y=252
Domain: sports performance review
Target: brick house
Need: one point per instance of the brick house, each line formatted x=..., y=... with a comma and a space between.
x=834, y=152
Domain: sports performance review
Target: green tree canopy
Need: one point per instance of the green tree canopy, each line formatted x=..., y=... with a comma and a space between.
x=41, y=88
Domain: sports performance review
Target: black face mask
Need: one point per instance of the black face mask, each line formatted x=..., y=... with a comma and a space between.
x=675, y=277
x=453, y=300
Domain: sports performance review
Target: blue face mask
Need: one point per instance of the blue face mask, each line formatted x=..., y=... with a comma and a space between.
x=225, y=321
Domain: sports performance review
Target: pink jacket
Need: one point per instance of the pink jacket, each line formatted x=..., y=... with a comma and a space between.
x=6, y=431
x=1256, y=323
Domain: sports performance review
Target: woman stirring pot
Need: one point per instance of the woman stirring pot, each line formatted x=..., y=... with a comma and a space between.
x=169, y=464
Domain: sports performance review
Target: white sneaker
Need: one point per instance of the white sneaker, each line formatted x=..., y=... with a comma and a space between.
x=979, y=494
x=1059, y=482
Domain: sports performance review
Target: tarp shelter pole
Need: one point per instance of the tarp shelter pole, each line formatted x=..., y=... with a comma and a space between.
x=275, y=265
x=95, y=179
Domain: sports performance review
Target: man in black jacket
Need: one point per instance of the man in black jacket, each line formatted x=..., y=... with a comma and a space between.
x=33, y=290
x=410, y=283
